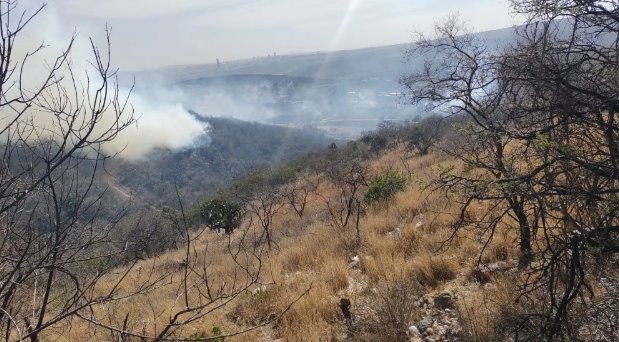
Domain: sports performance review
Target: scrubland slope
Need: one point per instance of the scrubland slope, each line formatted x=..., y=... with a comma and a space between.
x=314, y=265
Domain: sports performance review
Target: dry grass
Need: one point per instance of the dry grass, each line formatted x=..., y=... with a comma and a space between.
x=393, y=270
x=432, y=271
x=393, y=311
x=336, y=276
x=315, y=317
x=484, y=310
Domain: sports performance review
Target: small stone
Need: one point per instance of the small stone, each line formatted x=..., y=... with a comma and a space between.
x=482, y=276
x=445, y=300
x=413, y=331
x=396, y=233
x=428, y=339
x=483, y=272
x=354, y=261
x=424, y=324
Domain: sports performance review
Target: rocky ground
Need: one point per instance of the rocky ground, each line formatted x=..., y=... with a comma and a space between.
x=440, y=319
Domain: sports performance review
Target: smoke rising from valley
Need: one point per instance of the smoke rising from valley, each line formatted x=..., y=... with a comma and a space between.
x=355, y=89
x=160, y=124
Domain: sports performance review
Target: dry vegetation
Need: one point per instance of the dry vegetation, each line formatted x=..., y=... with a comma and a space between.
x=511, y=234
x=312, y=262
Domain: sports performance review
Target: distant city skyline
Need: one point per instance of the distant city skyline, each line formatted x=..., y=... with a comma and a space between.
x=155, y=33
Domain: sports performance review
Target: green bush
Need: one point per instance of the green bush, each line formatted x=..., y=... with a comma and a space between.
x=385, y=186
x=220, y=214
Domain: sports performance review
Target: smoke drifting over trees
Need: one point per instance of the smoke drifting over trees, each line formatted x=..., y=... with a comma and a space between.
x=161, y=124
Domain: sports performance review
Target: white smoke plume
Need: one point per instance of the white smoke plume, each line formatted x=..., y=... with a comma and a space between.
x=159, y=124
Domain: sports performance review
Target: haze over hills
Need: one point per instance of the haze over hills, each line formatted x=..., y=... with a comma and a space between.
x=468, y=193
x=315, y=98
x=343, y=93
x=385, y=62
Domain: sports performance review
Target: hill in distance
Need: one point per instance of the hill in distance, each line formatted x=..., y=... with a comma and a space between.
x=342, y=93
x=230, y=149
x=312, y=99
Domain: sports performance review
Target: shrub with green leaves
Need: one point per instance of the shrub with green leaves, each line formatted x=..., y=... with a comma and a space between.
x=385, y=186
x=220, y=213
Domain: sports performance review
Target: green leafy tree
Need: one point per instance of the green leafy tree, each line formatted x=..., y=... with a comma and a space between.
x=220, y=213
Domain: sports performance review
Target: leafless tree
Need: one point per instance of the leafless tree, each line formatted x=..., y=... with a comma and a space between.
x=461, y=77
x=53, y=132
x=265, y=204
x=543, y=129
x=200, y=289
x=57, y=237
x=297, y=193
x=348, y=174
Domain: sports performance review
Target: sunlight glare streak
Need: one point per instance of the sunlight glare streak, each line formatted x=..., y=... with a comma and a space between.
x=337, y=37
x=352, y=6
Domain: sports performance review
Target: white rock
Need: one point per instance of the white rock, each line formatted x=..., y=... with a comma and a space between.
x=413, y=331
x=396, y=233
x=259, y=290
x=354, y=261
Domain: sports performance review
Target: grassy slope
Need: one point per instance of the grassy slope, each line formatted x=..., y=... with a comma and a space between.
x=313, y=254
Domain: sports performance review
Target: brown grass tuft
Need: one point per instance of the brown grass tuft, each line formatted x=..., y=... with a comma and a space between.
x=336, y=276
x=433, y=271
x=393, y=311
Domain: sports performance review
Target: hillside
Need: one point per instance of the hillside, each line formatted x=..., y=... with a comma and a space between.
x=313, y=260
x=395, y=271
x=401, y=274
x=230, y=149
x=380, y=63
x=485, y=209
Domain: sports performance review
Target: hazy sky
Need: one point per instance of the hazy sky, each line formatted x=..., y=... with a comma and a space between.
x=153, y=33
